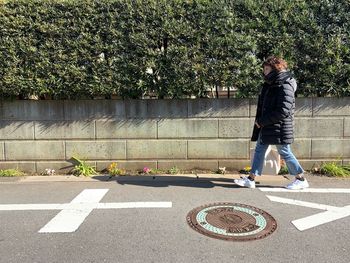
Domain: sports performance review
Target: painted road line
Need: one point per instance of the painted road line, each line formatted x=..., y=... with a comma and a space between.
x=307, y=190
x=69, y=220
x=134, y=205
x=23, y=207
x=321, y=218
x=301, y=203
x=333, y=213
x=73, y=214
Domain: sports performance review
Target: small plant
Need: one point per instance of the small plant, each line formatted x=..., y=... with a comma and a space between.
x=11, y=173
x=315, y=170
x=174, y=170
x=156, y=171
x=48, y=172
x=82, y=168
x=245, y=170
x=222, y=170
x=283, y=170
x=113, y=170
x=334, y=169
x=146, y=170
x=346, y=167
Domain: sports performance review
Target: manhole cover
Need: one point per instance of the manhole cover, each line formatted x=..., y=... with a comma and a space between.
x=230, y=221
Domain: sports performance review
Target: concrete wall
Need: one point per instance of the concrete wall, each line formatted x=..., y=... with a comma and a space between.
x=189, y=134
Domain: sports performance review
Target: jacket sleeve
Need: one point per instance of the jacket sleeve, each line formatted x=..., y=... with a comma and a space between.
x=259, y=104
x=283, y=108
x=255, y=134
x=256, y=130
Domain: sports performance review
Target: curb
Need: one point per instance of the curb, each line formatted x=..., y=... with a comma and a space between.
x=159, y=177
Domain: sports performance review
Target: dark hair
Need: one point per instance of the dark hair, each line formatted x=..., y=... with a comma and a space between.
x=276, y=63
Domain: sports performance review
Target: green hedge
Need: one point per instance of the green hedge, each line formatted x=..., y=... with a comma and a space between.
x=170, y=48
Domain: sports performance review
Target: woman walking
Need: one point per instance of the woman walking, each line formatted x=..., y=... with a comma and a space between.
x=274, y=123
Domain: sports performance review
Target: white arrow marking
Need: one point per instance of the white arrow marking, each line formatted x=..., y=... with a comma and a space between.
x=74, y=213
x=333, y=213
x=321, y=218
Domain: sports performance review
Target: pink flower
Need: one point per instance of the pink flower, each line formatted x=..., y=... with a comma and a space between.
x=146, y=170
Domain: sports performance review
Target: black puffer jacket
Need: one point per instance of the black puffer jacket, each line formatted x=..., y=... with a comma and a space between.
x=275, y=111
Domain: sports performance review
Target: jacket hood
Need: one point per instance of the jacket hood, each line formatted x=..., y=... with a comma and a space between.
x=285, y=77
x=291, y=81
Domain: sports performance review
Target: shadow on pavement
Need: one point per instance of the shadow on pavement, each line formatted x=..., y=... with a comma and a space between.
x=171, y=180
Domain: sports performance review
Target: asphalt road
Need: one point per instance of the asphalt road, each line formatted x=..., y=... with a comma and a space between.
x=162, y=234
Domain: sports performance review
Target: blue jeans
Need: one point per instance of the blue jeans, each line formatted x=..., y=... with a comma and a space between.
x=284, y=150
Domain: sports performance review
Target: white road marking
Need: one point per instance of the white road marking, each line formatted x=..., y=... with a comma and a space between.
x=74, y=213
x=23, y=207
x=301, y=203
x=307, y=190
x=321, y=218
x=332, y=213
x=134, y=205
x=69, y=220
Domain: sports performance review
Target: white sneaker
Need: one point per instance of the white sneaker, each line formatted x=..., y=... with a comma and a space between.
x=245, y=182
x=298, y=185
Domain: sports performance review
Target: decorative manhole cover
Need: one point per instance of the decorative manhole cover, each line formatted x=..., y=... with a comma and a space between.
x=232, y=221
